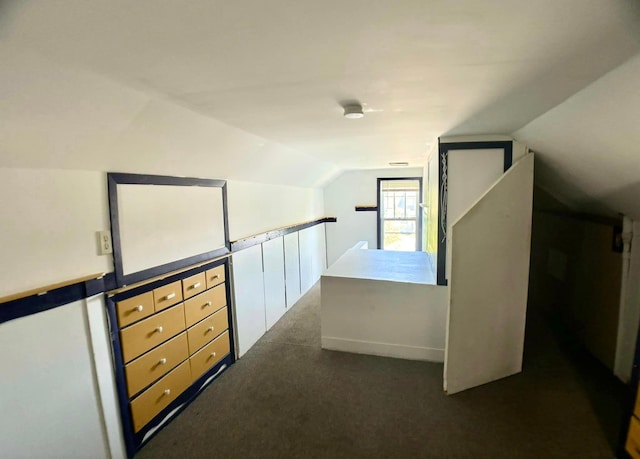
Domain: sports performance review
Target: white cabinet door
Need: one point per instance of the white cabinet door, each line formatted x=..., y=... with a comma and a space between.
x=249, y=293
x=312, y=256
x=274, y=280
x=292, y=268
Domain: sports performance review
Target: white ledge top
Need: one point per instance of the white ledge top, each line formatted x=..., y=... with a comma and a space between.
x=388, y=265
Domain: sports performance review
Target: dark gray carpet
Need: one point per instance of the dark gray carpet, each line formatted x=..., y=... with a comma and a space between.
x=288, y=398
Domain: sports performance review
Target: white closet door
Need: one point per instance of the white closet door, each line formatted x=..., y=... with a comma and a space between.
x=312, y=256
x=292, y=268
x=274, y=280
x=249, y=293
x=489, y=284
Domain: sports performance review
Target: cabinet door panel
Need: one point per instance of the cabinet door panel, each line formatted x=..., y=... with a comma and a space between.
x=249, y=294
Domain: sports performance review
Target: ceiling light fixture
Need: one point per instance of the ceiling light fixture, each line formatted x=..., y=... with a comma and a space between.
x=353, y=111
x=399, y=163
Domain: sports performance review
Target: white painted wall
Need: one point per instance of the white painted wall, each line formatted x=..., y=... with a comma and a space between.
x=256, y=208
x=470, y=174
x=488, y=300
x=342, y=195
x=48, y=227
x=49, y=403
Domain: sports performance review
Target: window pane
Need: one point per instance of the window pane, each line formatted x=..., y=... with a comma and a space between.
x=400, y=199
x=412, y=201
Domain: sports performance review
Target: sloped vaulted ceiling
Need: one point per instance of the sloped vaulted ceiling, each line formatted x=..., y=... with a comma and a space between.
x=252, y=89
x=589, y=146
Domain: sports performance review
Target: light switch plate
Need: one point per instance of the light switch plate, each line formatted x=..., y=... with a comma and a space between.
x=104, y=243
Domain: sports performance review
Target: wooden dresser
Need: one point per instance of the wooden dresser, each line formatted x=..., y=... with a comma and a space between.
x=170, y=338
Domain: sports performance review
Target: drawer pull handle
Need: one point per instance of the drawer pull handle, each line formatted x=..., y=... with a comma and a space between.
x=167, y=392
x=217, y=276
x=162, y=361
x=196, y=285
x=139, y=308
x=208, y=303
x=213, y=354
x=170, y=296
x=159, y=329
x=211, y=329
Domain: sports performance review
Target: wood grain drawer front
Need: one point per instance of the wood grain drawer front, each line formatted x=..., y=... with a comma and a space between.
x=209, y=355
x=139, y=338
x=203, y=332
x=193, y=285
x=156, y=363
x=134, y=309
x=199, y=307
x=215, y=276
x=167, y=295
x=157, y=397
x=633, y=439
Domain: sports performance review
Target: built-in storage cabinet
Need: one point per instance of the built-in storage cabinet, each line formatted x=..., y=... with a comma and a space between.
x=170, y=338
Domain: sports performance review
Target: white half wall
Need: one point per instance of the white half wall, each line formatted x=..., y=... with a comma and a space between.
x=391, y=319
x=342, y=195
x=489, y=283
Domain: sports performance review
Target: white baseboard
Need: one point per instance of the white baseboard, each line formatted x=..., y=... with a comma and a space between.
x=398, y=351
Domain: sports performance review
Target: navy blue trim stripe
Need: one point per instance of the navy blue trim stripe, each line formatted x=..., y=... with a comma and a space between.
x=34, y=304
x=366, y=208
x=245, y=243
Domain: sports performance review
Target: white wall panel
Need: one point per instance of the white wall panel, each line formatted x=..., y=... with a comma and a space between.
x=274, y=280
x=48, y=228
x=312, y=256
x=249, y=294
x=292, y=268
x=470, y=174
x=48, y=397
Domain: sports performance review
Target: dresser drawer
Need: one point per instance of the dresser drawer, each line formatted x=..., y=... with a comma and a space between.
x=199, y=307
x=203, y=332
x=167, y=295
x=139, y=338
x=134, y=309
x=193, y=285
x=215, y=276
x=209, y=355
x=156, y=363
x=157, y=397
